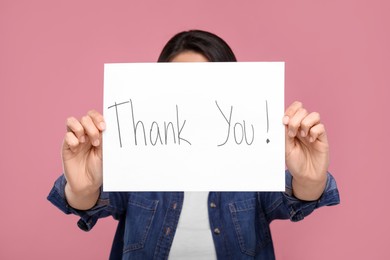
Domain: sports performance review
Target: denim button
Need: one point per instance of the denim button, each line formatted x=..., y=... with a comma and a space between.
x=217, y=231
x=213, y=205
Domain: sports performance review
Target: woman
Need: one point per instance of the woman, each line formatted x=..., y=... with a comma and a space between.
x=198, y=225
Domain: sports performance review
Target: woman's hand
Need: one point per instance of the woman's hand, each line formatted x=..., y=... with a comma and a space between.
x=307, y=151
x=82, y=159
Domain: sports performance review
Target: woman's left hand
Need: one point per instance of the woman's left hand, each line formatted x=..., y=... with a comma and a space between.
x=307, y=151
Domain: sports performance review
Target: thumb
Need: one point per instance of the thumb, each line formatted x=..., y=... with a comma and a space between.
x=100, y=147
x=289, y=140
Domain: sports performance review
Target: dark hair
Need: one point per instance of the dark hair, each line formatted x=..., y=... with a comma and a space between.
x=214, y=48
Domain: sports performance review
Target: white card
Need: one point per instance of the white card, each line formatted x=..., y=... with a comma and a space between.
x=194, y=127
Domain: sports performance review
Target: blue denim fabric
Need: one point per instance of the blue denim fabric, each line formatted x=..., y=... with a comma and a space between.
x=239, y=221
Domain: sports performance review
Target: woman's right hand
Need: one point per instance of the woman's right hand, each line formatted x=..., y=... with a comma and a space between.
x=82, y=159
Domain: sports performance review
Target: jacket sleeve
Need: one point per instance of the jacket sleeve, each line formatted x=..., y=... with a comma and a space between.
x=283, y=205
x=88, y=218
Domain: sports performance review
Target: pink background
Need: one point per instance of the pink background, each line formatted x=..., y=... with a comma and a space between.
x=51, y=67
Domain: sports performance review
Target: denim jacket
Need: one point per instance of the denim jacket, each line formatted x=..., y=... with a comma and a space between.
x=239, y=221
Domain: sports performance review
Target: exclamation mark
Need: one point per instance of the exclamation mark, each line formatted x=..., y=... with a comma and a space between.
x=266, y=110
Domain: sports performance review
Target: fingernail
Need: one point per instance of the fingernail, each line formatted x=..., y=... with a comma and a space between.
x=285, y=120
x=82, y=139
x=291, y=133
x=96, y=142
x=311, y=139
x=102, y=125
x=303, y=133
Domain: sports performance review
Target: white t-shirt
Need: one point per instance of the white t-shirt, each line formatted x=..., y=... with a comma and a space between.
x=193, y=239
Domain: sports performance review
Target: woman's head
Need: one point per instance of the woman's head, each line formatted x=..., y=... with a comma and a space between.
x=212, y=47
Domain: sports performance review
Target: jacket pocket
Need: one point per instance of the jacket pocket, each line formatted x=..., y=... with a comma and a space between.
x=252, y=229
x=139, y=218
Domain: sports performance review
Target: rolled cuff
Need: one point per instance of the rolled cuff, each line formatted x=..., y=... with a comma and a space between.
x=88, y=218
x=298, y=209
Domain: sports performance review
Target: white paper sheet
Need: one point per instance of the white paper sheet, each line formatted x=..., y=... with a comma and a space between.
x=194, y=127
